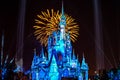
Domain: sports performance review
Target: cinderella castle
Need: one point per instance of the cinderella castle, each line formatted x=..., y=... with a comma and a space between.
x=61, y=62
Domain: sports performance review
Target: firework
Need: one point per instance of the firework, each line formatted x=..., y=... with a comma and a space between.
x=48, y=21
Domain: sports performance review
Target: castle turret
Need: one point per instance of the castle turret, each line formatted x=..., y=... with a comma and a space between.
x=34, y=66
x=68, y=46
x=42, y=58
x=84, y=69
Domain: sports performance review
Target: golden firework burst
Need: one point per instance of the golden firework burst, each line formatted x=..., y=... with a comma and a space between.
x=48, y=21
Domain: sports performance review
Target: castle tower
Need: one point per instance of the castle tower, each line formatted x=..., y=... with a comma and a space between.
x=62, y=62
x=68, y=46
x=34, y=67
x=62, y=24
x=84, y=69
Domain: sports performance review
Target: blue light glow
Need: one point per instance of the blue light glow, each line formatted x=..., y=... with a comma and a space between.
x=61, y=61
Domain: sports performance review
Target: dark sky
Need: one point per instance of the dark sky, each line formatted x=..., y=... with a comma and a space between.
x=83, y=13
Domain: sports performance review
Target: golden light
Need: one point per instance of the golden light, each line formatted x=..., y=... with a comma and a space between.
x=48, y=21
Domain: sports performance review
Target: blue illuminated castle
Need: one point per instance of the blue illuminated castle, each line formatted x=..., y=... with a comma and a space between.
x=61, y=61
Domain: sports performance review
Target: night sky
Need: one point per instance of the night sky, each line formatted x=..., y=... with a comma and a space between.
x=83, y=13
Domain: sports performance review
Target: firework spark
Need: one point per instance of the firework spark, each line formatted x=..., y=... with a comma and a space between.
x=48, y=22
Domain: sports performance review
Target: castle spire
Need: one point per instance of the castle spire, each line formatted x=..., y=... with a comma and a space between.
x=84, y=63
x=83, y=60
x=42, y=53
x=62, y=23
x=83, y=55
x=62, y=8
x=34, y=52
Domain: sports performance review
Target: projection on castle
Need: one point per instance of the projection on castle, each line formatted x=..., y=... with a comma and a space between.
x=55, y=31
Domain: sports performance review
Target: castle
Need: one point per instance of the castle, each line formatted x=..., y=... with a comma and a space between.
x=61, y=61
